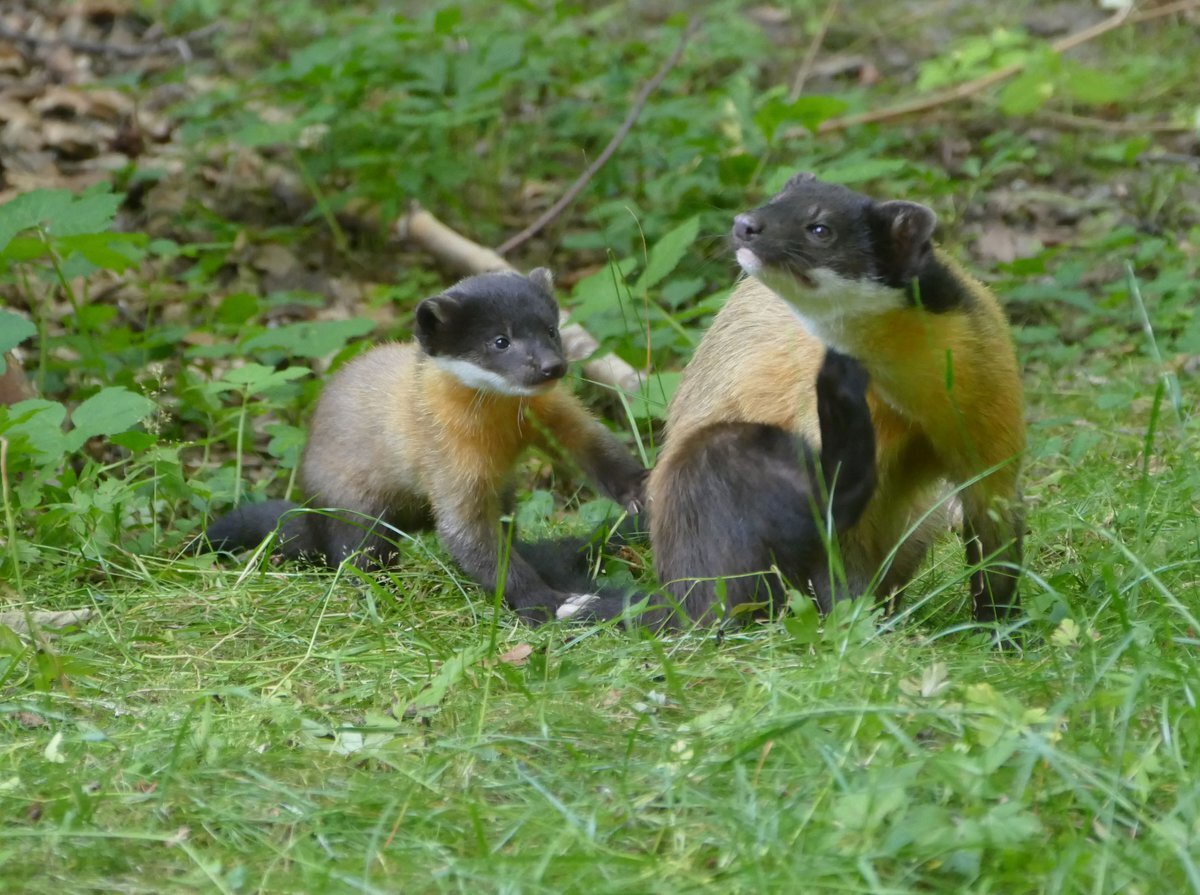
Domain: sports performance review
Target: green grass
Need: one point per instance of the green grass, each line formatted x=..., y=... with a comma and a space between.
x=290, y=732
x=285, y=730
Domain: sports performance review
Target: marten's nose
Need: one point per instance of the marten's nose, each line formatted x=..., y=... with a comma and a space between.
x=553, y=368
x=746, y=228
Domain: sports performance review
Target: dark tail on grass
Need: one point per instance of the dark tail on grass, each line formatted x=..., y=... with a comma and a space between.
x=564, y=564
x=245, y=527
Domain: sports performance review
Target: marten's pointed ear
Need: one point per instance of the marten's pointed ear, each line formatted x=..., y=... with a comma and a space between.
x=797, y=179
x=433, y=316
x=542, y=278
x=909, y=227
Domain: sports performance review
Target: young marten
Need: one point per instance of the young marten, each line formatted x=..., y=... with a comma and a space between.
x=745, y=503
x=426, y=434
x=829, y=266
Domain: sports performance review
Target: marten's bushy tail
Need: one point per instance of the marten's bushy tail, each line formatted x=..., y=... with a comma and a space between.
x=564, y=563
x=745, y=497
x=245, y=527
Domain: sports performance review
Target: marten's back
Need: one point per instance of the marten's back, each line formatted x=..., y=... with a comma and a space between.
x=755, y=364
x=363, y=433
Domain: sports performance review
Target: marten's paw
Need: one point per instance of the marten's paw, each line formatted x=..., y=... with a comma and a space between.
x=608, y=603
x=575, y=604
x=841, y=374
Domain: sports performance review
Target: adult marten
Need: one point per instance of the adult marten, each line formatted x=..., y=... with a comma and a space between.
x=413, y=435
x=829, y=266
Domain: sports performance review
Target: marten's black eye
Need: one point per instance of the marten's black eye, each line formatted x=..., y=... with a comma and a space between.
x=821, y=232
x=500, y=343
x=553, y=331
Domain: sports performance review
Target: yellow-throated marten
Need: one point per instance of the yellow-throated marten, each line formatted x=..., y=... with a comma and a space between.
x=426, y=434
x=829, y=266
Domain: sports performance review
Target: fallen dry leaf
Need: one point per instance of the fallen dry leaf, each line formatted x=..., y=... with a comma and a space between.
x=1003, y=244
x=518, y=655
x=19, y=621
x=275, y=260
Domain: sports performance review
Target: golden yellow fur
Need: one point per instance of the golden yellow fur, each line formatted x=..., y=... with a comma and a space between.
x=430, y=434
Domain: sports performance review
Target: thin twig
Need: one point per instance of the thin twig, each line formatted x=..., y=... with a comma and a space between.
x=1157, y=12
x=814, y=47
x=9, y=520
x=969, y=88
x=577, y=187
x=1081, y=122
x=1171, y=158
x=178, y=44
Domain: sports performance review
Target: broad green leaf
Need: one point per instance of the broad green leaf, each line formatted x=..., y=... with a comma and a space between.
x=599, y=292
x=41, y=424
x=110, y=251
x=652, y=400
x=310, y=338
x=254, y=378
x=59, y=213
x=138, y=442
x=1027, y=92
x=23, y=248
x=109, y=411
x=667, y=253
x=1095, y=87
x=446, y=20
x=677, y=292
x=323, y=54
x=504, y=52
x=268, y=133
x=237, y=308
x=857, y=170
x=451, y=672
x=535, y=511
x=803, y=622
x=807, y=112
x=286, y=443
x=1006, y=825
x=91, y=213
x=14, y=329
x=10, y=643
x=38, y=207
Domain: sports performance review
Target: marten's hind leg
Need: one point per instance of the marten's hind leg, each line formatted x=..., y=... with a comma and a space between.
x=738, y=502
x=743, y=497
x=993, y=528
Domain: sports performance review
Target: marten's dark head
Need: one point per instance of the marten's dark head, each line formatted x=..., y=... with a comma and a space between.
x=496, y=332
x=834, y=253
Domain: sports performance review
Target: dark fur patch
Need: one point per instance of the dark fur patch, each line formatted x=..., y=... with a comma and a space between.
x=744, y=497
x=740, y=503
x=246, y=526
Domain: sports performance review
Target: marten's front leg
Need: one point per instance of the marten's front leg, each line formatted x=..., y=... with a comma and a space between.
x=847, y=439
x=573, y=433
x=470, y=530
